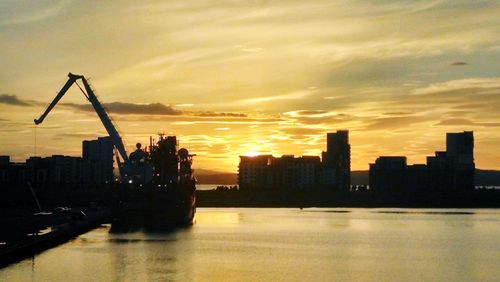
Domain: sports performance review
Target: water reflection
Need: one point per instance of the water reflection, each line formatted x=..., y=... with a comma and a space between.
x=151, y=254
x=156, y=224
x=218, y=218
x=283, y=244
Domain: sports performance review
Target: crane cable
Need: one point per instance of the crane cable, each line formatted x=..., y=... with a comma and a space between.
x=35, y=141
x=81, y=89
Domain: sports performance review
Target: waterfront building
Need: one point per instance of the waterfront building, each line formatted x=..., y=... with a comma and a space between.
x=332, y=171
x=460, y=152
x=268, y=172
x=12, y=182
x=254, y=172
x=99, y=153
x=336, y=161
x=11, y=174
x=4, y=160
x=55, y=172
x=4, y=170
x=387, y=174
x=449, y=171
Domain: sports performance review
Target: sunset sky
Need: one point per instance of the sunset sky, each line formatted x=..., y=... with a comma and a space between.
x=233, y=78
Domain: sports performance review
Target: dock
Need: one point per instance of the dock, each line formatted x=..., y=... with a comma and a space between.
x=16, y=249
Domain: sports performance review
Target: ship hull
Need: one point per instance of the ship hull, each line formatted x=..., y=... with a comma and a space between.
x=154, y=208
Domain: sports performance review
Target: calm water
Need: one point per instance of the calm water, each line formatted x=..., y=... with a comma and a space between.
x=285, y=245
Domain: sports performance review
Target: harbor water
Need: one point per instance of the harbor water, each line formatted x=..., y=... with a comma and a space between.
x=246, y=244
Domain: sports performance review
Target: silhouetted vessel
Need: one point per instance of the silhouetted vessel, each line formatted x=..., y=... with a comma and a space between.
x=159, y=191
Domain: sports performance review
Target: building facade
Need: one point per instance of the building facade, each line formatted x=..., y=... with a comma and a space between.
x=336, y=161
x=449, y=171
x=268, y=172
x=332, y=171
x=99, y=156
x=388, y=174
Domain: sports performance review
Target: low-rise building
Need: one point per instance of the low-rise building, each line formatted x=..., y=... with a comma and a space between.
x=268, y=172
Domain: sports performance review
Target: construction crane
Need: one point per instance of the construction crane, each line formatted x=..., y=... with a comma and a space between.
x=101, y=112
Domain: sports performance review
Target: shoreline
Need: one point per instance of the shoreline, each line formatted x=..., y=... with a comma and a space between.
x=324, y=199
x=24, y=247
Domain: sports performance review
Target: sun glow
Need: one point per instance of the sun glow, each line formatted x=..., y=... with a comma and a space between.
x=252, y=149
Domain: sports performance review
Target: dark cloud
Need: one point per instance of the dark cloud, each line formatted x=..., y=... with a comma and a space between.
x=130, y=108
x=216, y=114
x=13, y=100
x=150, y=109
x=458, y=64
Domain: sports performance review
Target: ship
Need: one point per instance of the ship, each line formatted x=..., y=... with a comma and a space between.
x=160, y=191
x=155, y=186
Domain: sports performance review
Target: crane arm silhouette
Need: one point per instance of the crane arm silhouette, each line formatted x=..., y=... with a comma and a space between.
x=101, y=112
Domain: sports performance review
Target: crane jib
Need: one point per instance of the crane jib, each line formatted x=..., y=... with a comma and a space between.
x=101, y=112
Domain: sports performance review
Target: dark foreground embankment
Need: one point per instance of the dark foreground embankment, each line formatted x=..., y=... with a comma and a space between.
x=24, y=235
x=321, y=198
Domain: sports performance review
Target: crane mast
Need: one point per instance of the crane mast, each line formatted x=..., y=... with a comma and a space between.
x=101, y=112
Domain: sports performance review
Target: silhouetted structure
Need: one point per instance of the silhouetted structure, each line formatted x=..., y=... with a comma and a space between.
x=336, y=161
x=57, y=177
x=57, y=173
x=11, y=174
x=4, y=160
x=99, y=155
x=449, y=171
x=266, y=171
x=165, y=160
x=388, y=174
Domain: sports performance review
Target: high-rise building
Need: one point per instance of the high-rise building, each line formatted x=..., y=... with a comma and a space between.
x=99, y=153
x=337, y=160
x=460, y=147
x=460, y=153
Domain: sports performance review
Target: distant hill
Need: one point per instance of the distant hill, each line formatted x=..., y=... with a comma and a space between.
x=205, y=176
x=221, y=178
x=358, y=177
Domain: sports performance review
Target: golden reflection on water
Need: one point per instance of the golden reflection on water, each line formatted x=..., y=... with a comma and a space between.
x=284, y=245
x=217, y=218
